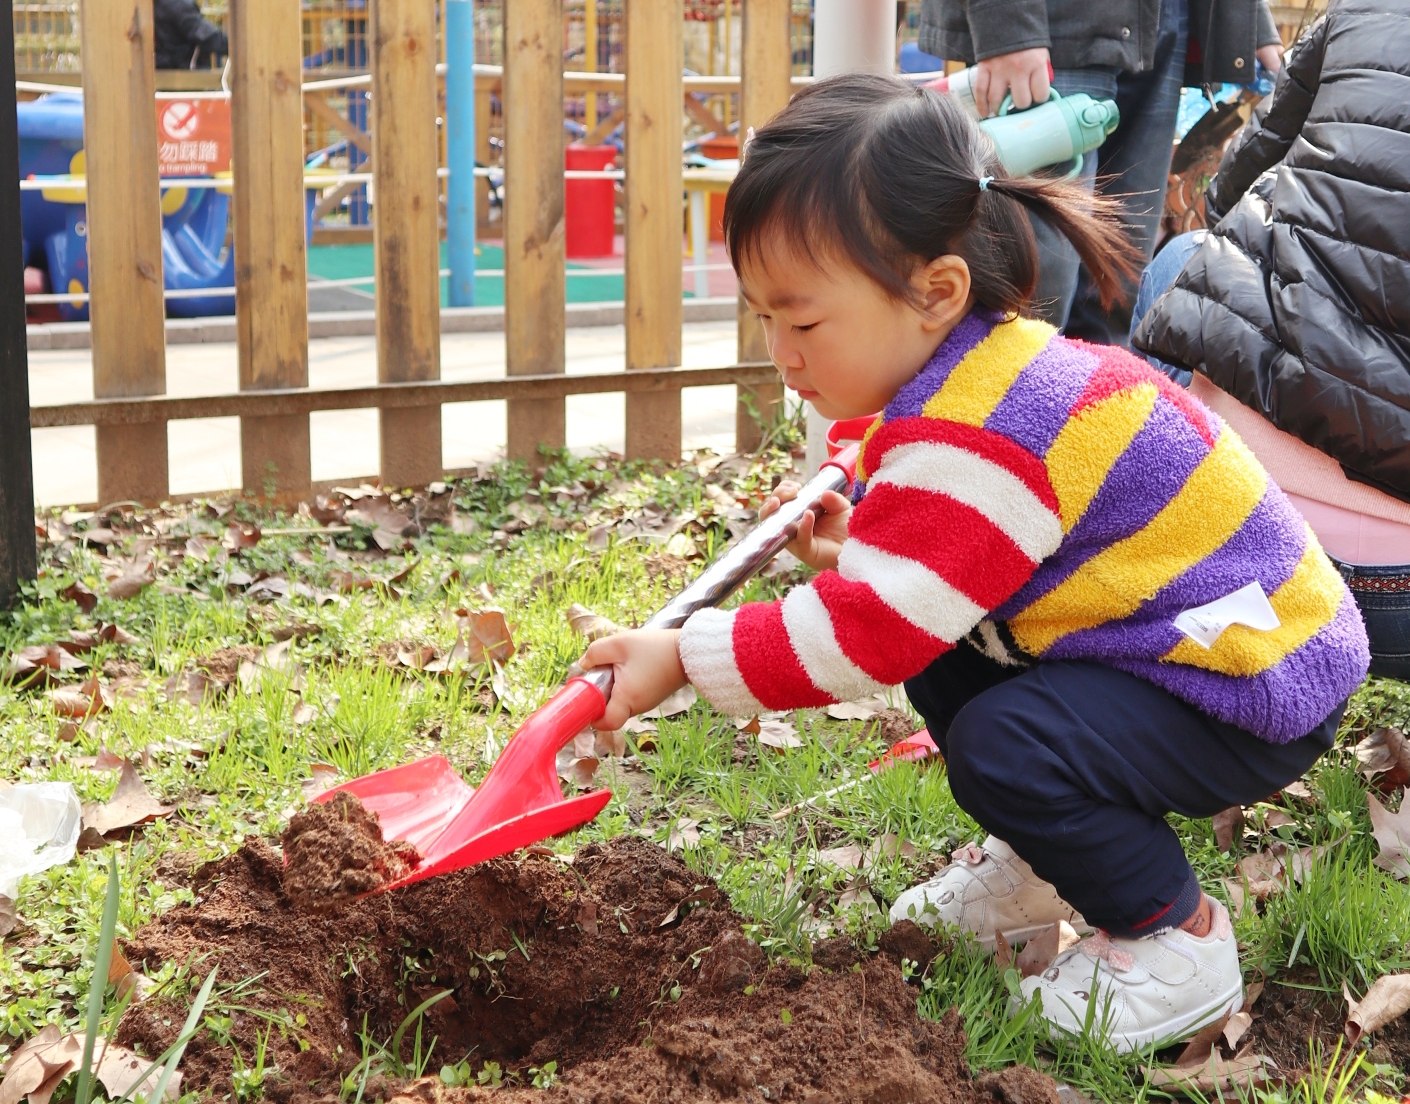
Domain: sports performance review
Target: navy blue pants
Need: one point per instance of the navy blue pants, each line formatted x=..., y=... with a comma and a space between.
x=1075, y=766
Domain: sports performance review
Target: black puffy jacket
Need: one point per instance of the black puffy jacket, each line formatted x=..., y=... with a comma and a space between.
x=1298, y=302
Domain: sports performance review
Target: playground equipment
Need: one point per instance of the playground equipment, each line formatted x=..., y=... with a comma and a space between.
x=55, y=219
x=520, y=802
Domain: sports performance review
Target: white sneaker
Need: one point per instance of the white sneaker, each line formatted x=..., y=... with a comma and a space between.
x=985, y=891
x=1159, y=988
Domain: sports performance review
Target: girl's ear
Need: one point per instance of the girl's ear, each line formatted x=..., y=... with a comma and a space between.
x=943, y=285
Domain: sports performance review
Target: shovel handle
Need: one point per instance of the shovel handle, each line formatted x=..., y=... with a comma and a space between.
x=747, y=558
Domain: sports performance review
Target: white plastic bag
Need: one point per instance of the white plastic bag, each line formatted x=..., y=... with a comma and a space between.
x=39, y=826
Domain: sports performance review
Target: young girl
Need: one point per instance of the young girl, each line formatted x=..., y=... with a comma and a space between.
x=1095, y=597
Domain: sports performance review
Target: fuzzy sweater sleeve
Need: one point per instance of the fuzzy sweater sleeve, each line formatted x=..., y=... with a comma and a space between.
x=954, y=520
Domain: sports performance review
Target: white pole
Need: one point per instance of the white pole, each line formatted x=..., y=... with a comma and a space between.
x=849, y=36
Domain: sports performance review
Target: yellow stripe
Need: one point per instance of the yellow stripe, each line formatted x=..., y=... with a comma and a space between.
x=1305, y=604
x=1209, y=509
x=862, y=448
x=979, y=381
x=1090, y=443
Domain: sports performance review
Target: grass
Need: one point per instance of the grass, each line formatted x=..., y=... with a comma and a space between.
x=1345, y=920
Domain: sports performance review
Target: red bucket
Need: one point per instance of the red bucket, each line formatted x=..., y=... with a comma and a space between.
x=843, y=433
x=589, y=206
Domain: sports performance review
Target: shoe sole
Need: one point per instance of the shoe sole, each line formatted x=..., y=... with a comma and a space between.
x=1183, y=1027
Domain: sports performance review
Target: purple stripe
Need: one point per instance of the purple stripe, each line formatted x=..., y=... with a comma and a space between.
x=969, y=332
x=1041, y=399
x=1143, y=481
x=1285, y=702
x=1267, y=547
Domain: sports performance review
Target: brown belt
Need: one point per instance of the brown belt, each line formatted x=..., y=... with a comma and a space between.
x=1380, y=584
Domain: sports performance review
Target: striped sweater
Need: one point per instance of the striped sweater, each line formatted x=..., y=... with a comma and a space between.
x=1050, y=499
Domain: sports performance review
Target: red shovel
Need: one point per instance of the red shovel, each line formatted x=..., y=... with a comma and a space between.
x=454, y=825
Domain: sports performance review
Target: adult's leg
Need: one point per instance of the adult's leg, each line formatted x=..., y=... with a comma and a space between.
x=1383, y=595
x=1156, y=279
x=1075, y=765
x=1134, y=163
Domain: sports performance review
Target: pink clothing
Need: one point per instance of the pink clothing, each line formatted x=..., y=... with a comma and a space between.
x=1355, y=523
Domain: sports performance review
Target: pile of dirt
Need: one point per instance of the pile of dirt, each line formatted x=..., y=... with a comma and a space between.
x=622, y=966
x=335, y=851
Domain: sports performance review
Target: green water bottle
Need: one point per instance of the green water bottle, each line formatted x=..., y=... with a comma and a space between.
x=1057, y=132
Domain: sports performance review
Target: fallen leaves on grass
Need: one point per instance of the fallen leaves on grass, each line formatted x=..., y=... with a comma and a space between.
x=39, y=1066
x=1266, y=872
x=322, y=778
x=133, y=580
x=37, y=664
x=129, y=983
x=1227, y=826
x=487, y=634
x=685, y=832
x=577, y=760
x=676, y=704
x=1215, y=1074
x=1236, y=1028
x=277, y=659
x=131, y=804
x=856, y=711
x=1385, y=752
x=238, y=537
x=9, y=915
x=1201, y=1046
x=192, y=685
x=591, y=625
x=851, y=856
x=1392, y=832
x=390, y=527
x=80, y=596
x=1038, y=953
x=778, y=734
x=1388, y=999
x=84, y=700
x=82, y=642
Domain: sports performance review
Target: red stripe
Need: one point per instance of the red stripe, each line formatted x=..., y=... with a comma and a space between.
x=874, y=636
x=994, y=447
x=953, y=539
x=1119, y=370
x=766, y=660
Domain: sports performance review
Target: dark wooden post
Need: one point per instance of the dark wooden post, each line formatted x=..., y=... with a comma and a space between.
x=17, y=552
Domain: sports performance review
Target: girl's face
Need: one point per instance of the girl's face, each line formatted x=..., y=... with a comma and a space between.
x=837, y=339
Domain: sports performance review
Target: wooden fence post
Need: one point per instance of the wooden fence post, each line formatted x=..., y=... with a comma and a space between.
x=17, y=551
x=766, y=59
x=271, y=280
x=534, y=244
x=655, y=55
x=406, y=232
x=124, y=240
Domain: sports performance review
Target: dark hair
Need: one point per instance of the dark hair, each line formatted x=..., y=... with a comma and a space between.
x=888, y=174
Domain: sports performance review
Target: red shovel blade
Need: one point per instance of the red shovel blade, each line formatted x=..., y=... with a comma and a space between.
x=520, y=801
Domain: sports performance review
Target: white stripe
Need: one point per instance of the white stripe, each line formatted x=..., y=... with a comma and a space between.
x=991, y=489
x=706, y=648
x=911, y=589
x=811, y=634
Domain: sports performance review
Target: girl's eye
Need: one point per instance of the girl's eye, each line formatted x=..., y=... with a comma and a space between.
x=804, y=329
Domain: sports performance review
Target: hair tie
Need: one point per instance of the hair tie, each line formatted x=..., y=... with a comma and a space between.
x=984, y=182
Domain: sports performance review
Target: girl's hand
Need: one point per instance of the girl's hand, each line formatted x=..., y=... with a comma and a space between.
x=646, y=671
x=819, y=539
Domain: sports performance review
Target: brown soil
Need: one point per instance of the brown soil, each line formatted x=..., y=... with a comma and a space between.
x=334, y=851
x=892, y=725
x=1285, y=1018
x=620, y=966
x=224, y=665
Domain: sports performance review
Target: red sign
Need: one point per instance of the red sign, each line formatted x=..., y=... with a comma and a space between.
x=193, y=136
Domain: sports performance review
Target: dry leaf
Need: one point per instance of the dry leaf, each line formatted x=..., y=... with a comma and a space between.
x=778, y=734
x=591, y=625
x=199, y=548
x=1003, y=952
x=9, y=915
x=277, y=658
x=35, y=665
x=847, y=857
x=1385, y=751
x=1039, y=952
x=889, y=845
x=129, y=982
x=859, y=895
x=1216, y=1075
x=1392, y=832
x=1201, y=1046
x=81, y=596
x=685, y=832
x=272, y=588
x=487, y=635
x=390, y=527
x=856, y=711
x=107, y=760
x=1234, y=1030
x=417, y=656
x=304, y=713
x=191, y=685
x=324, y=776
x=131, y=582
x=1387, y=1000
x=609, y=743
x=676, y=704
x=34, y=1063
x=82, y=642
x=1227, y=826
x=240, y=536
x=1276, y=818
x=131, y=803
x=1299, y=791
x=85, y=700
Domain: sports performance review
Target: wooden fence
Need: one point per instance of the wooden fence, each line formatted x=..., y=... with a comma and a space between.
x=124, y=242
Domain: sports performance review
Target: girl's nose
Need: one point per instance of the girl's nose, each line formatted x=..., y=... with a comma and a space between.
x=784, y=353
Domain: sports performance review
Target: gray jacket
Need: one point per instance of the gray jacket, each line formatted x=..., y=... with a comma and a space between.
x=1114, y=34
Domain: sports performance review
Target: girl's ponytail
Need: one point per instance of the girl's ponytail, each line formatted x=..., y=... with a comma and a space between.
x=888, y=176
x=1091, y=222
